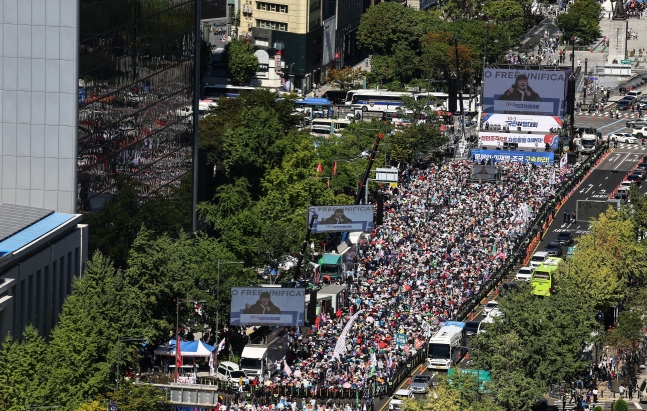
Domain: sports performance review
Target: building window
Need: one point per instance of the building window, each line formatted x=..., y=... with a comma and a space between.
x=315, y=5
x=272, y=25
x=280, y=8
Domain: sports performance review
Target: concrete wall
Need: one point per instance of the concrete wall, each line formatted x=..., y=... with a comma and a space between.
x=39, y=103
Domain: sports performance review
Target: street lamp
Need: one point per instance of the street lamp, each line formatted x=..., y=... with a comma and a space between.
x=218, y=299
x=120, y=340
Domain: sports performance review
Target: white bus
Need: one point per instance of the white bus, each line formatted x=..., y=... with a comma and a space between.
x=224, y=90
x=327, y=126
x=205, y=106
x=446, y=347
x=469, y=102
x=368, y=100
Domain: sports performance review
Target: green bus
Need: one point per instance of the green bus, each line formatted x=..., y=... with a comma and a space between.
x=543, y=277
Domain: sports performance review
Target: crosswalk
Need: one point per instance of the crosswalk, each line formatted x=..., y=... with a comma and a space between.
x=634, y=147
x=607, y=114
x=606, y=404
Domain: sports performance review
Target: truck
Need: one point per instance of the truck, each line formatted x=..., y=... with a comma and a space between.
x=334, y=265
x=588, y=140
x=265, y=357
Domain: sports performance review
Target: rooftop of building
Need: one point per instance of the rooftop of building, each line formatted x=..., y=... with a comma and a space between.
x=22, y=225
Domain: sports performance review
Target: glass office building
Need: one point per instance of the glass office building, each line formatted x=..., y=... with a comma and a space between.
x=136, y=87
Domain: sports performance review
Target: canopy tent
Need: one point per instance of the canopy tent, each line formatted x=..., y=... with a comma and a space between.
x=187, y=349
x=314, y=101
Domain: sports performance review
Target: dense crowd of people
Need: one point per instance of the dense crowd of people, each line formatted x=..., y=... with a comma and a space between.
x=444, y=236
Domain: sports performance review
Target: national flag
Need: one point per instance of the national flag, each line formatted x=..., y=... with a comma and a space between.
x=419, y=343
x=212, y=369
x=286, y=368
x=552, y=178
x=319, y=168
x=340, y=347
x=334, y=168
x=563, y=164
x=373, y=363
x=221, y=346
x=178, y=357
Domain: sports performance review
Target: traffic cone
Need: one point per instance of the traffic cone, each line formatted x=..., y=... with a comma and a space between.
x=467, y=355
x=484, y=301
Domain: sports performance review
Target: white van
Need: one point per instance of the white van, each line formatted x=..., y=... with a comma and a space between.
x=398, y=399
x=538, y=258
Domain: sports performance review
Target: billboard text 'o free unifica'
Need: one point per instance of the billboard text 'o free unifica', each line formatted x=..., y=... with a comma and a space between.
x=268, y=306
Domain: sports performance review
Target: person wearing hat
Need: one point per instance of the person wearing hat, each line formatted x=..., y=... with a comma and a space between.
x=520, y=91
x=264, y=305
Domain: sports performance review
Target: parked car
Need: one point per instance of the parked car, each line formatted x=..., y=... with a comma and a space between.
x=538, y=258
x=490, y=306
x=524, y=274
x=227, y=374
x=565, y=238
x=554, y=249
x=641, y=172
x=421, y=383
x=472, y=327
x=634, y=178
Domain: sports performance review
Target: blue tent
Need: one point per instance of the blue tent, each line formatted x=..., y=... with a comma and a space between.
x=187, y=348
x=314, y=101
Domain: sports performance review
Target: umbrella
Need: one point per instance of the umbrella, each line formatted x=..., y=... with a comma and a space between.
x=297, y=373
x=346, y=385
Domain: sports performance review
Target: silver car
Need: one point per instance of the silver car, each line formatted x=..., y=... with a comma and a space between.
x=420, y=384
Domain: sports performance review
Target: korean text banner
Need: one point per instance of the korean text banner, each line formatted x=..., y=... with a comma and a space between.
x=542, y=124
x=511, y=91
x=268, y=306
x=512, y=156
x=537, y=141
x=341, y=218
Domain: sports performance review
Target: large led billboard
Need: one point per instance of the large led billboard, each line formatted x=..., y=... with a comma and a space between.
x=496, y=156
x=525, y=141
x=522, y=123
x=268, y=306
x=512, y=91
x=348, y=218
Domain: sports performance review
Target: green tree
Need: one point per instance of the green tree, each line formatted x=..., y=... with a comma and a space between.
x=81, y=357
x=388, y=26
x=582, y=20
x=139, y=397
x=508, y=14
x=22, y=373
x=241, y=62
x=345, y=78
x=620, y=405
x=536, y=342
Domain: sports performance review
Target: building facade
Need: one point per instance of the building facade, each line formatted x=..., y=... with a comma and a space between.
x=41, y=252
x=136, y=87
x=38, y=103
x=93, y=92
x=294, y=29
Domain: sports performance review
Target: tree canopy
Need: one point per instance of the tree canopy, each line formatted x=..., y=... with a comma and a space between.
x=241, y=62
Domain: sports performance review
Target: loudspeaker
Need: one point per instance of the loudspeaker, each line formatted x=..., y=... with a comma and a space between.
x=312, y=307
x=570, y=97
x=452, y=100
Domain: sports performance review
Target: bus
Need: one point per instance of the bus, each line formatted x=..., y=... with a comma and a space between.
x=543, y=276
x=205, y=106
x=469, y=102
x=326, y=126
x=224, y=90
x=368, y=100
x=447, y=347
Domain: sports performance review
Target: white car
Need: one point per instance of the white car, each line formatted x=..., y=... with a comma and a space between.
x=624, y=138
x=524, y=274
x=490, y=306
x=538, y=258
x=230, y=372
x=398, y=399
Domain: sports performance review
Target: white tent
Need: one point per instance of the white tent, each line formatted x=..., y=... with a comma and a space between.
x=187, y=349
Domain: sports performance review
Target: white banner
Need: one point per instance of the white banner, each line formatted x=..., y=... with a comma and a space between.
x=544, y=124
x=525, y=141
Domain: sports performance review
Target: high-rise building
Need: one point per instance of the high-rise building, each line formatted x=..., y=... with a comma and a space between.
x=93, y=92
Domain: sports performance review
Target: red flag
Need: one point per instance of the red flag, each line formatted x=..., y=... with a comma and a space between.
x=334, y=168
x=178, y=357
x=319, y=168
x=380, y=135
